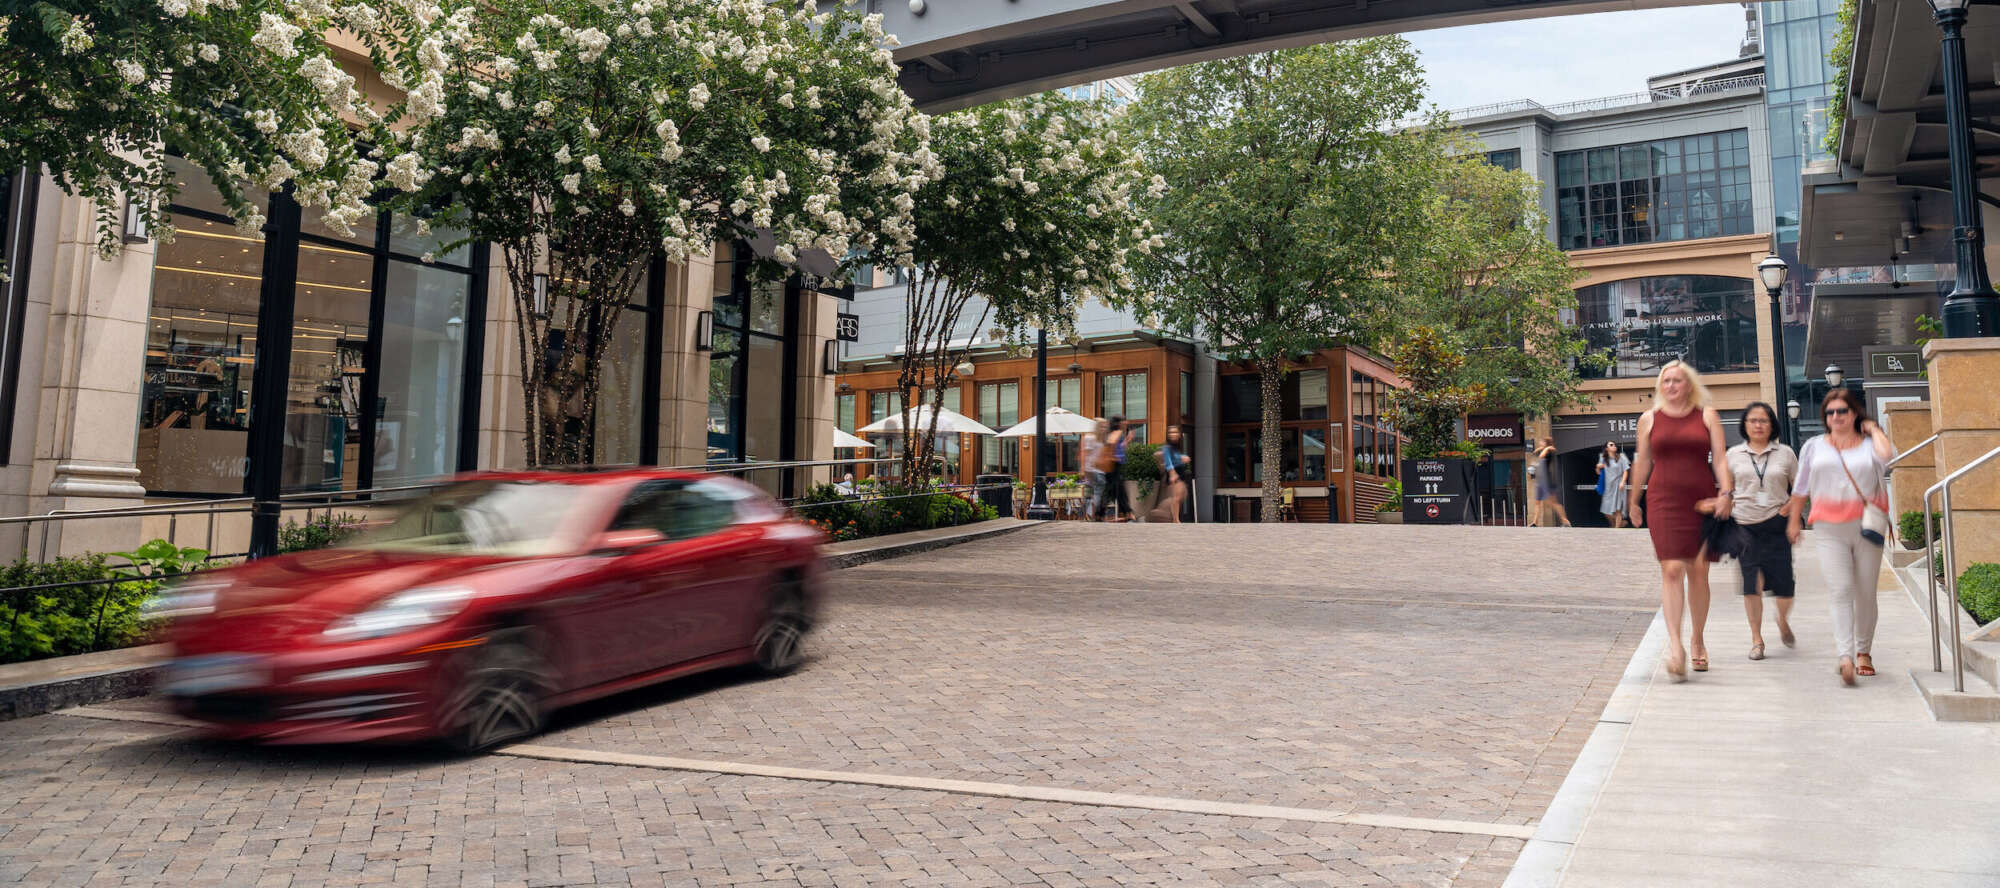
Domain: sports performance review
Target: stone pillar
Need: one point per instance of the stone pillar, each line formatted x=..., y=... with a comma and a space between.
x=92, y=367
x=815, y=408
x=1965, y=413
x=683, y=370
x=1908, y=424
x=503, y=425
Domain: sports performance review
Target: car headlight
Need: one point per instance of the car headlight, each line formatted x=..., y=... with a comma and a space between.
x=401, y=612
x=185, y=600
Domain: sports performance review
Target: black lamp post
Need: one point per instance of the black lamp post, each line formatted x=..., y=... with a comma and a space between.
x=1792, y=413
x=1773, y=271
x=1971, y=308
x=1038, y=508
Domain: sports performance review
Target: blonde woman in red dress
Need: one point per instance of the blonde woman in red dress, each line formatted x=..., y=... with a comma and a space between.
x=1682, y=469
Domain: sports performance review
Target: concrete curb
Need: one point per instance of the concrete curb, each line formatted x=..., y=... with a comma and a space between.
x=28, y=698
x=1546, y=855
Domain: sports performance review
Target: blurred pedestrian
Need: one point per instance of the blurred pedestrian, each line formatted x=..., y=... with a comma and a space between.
x=846, y=485
x=1841, y=473
x=1093, y=478
x=1176, y=471
x=1547, y=495
x=1111, y=461
x=1612, y=468
x=1763, y=468
x=1682, y=471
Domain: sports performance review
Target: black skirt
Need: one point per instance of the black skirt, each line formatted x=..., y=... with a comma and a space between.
x=1766, y=552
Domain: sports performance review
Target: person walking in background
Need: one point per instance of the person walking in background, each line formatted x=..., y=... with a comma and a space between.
x=1841, y=473
x=1763, y=469
x=1683, y=471
x=1176, y=471
x=1547, y=496
x=1093, y=479
x=1111, y=462
x=1612, y=467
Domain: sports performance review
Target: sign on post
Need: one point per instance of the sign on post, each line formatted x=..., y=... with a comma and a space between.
x=847, y=327
x=1437, y=491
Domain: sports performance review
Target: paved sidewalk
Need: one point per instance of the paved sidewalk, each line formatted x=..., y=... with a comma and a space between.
x=1772, y=774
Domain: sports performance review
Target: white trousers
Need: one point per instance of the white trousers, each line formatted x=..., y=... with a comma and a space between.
x=1850, y=566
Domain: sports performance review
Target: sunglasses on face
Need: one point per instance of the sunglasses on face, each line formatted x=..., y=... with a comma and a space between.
x=1838, y=411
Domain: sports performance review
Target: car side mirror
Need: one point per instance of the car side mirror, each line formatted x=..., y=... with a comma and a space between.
x=619, y=542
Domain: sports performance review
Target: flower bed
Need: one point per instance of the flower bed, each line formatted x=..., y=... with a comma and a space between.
x=851, y=517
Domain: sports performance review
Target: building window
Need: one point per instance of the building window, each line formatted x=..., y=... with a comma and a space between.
x=888, y=445
x=1067, y=393
x=17, y=208
x=999, y=409
x=1664, y=190
x=1375, y=441
x=747, y=403
x=844, y=414
x=1303, y=410
x=1124, y=394
x=368, y=402
x=1640, y=324
x=1508, y=159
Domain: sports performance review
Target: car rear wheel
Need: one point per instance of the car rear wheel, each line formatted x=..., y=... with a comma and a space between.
x=780, y=641
x=499, y=700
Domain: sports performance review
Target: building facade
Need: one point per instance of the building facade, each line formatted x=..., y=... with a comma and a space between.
x=1663, y=200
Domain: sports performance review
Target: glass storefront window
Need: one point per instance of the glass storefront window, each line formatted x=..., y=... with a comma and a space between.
x=747, y=405
x=1640, y=324
x=1124, y=394
x=329, y=347
x=1663, y=190
x=844, y=414
x=423, y=373
x=999, y=409
x=201, y=351
x=1066, y=393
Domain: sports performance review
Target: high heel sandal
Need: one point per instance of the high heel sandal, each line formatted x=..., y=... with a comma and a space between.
x=1846, y=672
x=1676, y=667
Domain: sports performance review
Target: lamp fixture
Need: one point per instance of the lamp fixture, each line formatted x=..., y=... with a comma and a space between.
x=541, y=296
x=1773, y=271
x=136, y=231
x=1949, y=5
x=1835, y=376
x=829, y=358
x=1792, y=408
x=918, y=7
x=964, y=369
x=704, y=331
x=1075, y=367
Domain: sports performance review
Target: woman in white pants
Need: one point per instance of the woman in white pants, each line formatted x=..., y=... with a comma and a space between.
x=1841, y=473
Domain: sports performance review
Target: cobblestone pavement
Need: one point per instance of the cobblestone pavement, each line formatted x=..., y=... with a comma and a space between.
x=1427, y=672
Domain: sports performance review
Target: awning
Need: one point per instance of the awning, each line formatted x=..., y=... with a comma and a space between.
x=1849, y=317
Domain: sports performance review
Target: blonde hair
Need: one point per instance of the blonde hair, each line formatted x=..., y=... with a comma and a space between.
x=1697, y=393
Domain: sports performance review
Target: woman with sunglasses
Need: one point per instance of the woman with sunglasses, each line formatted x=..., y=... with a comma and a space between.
x=1841, y=473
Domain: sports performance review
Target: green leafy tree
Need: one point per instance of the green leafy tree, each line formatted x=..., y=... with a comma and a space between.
x=1427, y=410
x=1033, y=214
x=100, y=92
x=1485, y=277
x=586, y=138
x=1288, y=195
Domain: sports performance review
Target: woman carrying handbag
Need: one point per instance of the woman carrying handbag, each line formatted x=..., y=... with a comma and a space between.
x=1841, y=473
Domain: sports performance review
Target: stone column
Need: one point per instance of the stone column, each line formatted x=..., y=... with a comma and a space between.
x=815, y=410
x=1965, y=414
x=94, y=341
x=1908, y=424
x=503, y=425
x=683, y=370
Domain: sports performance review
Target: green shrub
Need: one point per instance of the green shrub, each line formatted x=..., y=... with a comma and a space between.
x=1142, y=464
x=1910, y=526
x=1395, y=501
x=901, y=509
x=37, y=623
x=317, y=533
x=1979, y=591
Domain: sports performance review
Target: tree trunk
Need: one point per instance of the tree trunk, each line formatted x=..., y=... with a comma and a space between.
x=1270, y=381
x=560, y=384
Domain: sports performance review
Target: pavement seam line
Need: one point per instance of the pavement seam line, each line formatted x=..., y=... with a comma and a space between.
x=936, y=784
x=1024, y=793
x=1320, y=599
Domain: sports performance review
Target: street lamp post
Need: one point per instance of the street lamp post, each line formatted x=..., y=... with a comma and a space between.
x=1773, y=271
x=1038, y=508
x=1972, y=308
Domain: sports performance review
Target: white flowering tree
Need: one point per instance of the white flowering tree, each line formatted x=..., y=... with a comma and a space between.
x=1034, y=214
x=101, y=92
x=587, y=137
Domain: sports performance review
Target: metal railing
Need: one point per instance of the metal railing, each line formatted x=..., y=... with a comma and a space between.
x=1937, y=663
x=1943, y=491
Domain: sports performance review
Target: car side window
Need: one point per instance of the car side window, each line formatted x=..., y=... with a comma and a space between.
x=675, y=509
x=702, y=513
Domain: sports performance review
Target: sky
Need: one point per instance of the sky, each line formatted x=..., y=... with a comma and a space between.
x=1573, y=57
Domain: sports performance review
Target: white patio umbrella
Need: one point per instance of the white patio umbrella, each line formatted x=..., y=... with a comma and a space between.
x=949, y=421
x=843, y=439
x=1061, y=422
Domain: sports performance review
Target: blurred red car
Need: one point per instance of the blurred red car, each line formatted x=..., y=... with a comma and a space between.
x=491, y=602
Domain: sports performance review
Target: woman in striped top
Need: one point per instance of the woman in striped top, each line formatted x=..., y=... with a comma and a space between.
x=1841, y=473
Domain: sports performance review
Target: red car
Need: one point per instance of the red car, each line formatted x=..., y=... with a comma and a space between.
x=491, y=602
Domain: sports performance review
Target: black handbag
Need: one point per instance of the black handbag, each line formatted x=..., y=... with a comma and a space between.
x=1722, y=536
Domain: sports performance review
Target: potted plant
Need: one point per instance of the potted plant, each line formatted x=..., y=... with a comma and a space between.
x=1391, y=509
x=1142, y=478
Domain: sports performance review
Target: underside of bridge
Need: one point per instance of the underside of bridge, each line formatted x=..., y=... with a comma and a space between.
x=957, y=53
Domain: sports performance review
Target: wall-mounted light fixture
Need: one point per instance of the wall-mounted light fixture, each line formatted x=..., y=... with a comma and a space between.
x=136, y=231
x=541, y=301
x=704, y=331
x=829, y=358
x=917, y=7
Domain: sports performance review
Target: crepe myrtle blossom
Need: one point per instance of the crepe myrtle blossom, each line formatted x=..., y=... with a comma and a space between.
x=133, y=100
x=629, y=130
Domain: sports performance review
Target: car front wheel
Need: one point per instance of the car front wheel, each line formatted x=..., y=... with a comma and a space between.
x=499, y=699
x=780, y=639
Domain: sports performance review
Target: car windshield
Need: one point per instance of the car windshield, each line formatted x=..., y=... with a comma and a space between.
x=509, y=518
